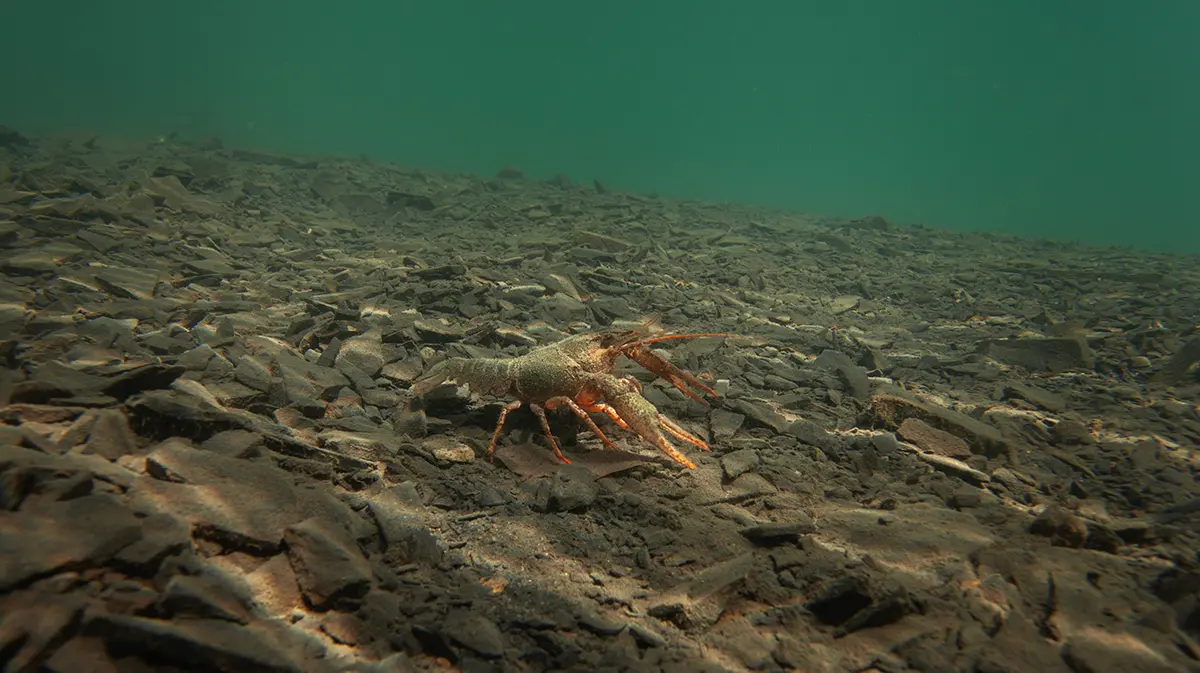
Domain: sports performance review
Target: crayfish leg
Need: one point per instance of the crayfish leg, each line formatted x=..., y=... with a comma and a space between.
x=508, y=408
x=541, y=416
x=582, y=413
x=602, y=408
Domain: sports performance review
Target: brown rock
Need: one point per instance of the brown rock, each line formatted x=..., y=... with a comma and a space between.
x=1063, y=528
x=894, y=407
x=110, y=436
x=933, y=440
x=1038, y=354
x=83, y=532
x=196, y=644
x=33, y=623
x=238, y=503
x=329, y=566
x=81, y=654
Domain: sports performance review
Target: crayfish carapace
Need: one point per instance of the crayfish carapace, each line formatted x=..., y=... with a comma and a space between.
x=577, y=373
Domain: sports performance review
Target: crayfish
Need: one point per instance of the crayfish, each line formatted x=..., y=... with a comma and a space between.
x=576, y=372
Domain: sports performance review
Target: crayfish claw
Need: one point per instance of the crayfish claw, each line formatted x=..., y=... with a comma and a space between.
x=679, y=433
x=632, y=411
x=676, y=376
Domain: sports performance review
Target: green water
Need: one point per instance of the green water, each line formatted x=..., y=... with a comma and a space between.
x=1066, y=118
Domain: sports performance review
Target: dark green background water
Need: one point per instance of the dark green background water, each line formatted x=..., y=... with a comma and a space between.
x=1067, y=118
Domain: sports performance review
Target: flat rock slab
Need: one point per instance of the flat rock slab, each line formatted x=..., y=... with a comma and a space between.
x=1042, y=398
x=895, y=406
x=923, y=540
x=239, y=503
x=45, y=259
x=329, y=566
x=201, y=644
x=532, y=461
x=402, y=526
x=80, y=533
x=933, y=440
x=128, y=283
x=1036, y=354
x=364, y=352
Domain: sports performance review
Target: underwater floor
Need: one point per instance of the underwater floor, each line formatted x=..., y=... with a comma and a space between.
x=929, y=450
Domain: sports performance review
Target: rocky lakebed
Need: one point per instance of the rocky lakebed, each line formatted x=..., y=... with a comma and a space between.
x=931, y=451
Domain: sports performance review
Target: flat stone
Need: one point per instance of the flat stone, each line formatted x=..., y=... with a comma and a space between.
x=329, y=566
x=780, y=532
x=372, y=446
x=1098, y=652
x=252, y=373
x=234, y=443
x=749, y=485
x=208, y=596
x=739, y=462
x=563, y=310
x=301, y=377
x=33, y=623
x=82, y=532
x=844, y=303
x=364, y=352
x=241, y=504
x=406, y=537
x=895, y=406
x=46, y=259
x=432, y=331
x=163, y=535
x=171, y=192
x=476, y=633
x=725, y=424
x=1042, y=398
x=760, y=413
x=196, y=644
x=196, y=359
x=140, y=379
x=65, y=381
x=449, y=450
x=856, y=379
x=99, y=241
x=572, y=489
x=19, y=458
x=933, y=440
x=12, y=320
x=179, y=409
x=1038, y=354
x=274, y=588
x=1180, y=362
x=110, y=436
x=955, y=468
x=214, y=267
x=403, y=371
x=128, y=283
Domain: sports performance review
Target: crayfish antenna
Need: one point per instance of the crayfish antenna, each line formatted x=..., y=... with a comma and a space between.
x=668, y=337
